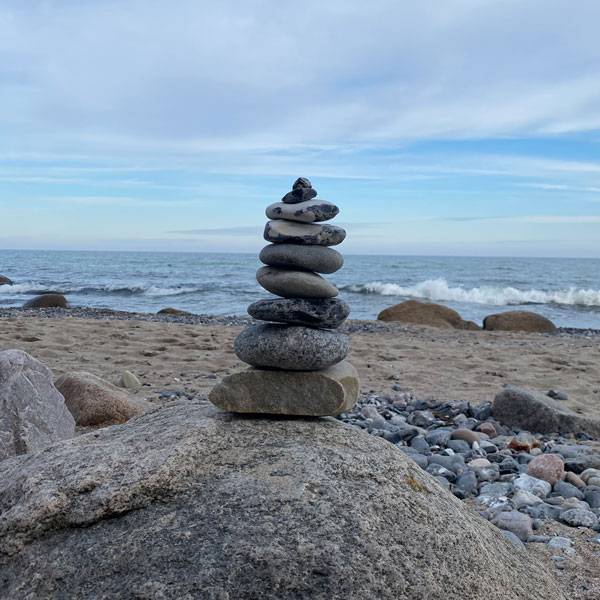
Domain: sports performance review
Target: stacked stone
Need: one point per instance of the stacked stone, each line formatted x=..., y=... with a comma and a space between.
x=296, y=356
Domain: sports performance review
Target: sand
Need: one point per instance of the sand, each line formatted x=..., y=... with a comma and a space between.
x=431, y=363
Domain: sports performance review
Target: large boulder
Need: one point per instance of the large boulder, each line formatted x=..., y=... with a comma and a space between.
x=191, y=502
x=518, y=320
x=533, y=411
x=172, y=311
x=426, y=313
x=95, y=402
x=5, y=280
x=33, y=414
x=47, y=301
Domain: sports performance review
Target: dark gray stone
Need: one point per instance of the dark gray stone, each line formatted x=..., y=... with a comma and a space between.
x=311, y=258
x=543, y=511
x=309, y=211
x=439, y=471
x=467, y=482
x=454, y=463
x=419, y=444
x=33, y=413
x=458, y=445
x=300, y=194
x=290, y=347
x=513, y=538
x=568, y=490
x=533, y=411
x=191, y=502
x=295, y=284
x=5, y=280
x=301, y=182
x=47, y=301
x=438, y=437
x=329, y=312
x=288, y=232
x=592, y=497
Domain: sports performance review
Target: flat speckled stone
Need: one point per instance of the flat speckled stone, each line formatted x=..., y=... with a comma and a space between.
x=310, y=211
x=290, y=347
x=298, y=256
x=330, y=313
x=300, y=194
x=280, y=231
x=290, y=283
x=329, y=391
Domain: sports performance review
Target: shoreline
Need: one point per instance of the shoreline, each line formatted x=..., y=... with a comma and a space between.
x=349, y=326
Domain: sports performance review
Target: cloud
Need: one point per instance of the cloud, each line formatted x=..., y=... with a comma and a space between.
x=256, y=81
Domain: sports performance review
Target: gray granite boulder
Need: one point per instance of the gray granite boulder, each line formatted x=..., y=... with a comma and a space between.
x=33, y=414
x=47, y=301
x=281, y=231
x=537, y=412
x=192, y=502
x=311, y=258
x=329, y=391
x=290, y=283
x=310, y=211
x=5, y=280
x=329, y=312
x=290, y=347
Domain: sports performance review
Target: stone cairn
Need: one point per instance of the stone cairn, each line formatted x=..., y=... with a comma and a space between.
x=296, y=356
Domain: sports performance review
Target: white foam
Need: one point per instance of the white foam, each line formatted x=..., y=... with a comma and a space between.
x=438, y=289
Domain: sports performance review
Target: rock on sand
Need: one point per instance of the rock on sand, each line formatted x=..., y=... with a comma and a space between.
x=94, y=402
x=33, y=414
x=191, y=502
x=47, y=301
x=518, y=320
x=426, y=313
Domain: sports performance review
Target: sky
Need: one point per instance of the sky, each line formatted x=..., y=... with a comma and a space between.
x=441, y=127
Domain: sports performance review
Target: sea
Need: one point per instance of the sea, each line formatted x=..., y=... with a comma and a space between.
x=566, y=290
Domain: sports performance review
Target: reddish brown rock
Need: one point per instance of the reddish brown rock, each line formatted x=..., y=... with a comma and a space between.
x=5, y=280
x=549, y=467
x=94, y=402
x=518, y=320
x=425, y=313
x=488, y=429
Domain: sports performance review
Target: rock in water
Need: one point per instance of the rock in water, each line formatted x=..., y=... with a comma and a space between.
x=295, y=284
x=5, y=280
x=533, y=411
x=47, y=301
x=281, y=231
x=192, y=502
x=33, y=414
x=519, y=320
x=290, y=347
x=311, y=258
x=329, y=313
x=94, y=402
x=310, y=211
x=330, y=391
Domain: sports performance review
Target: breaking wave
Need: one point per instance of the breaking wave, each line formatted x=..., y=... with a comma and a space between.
x=117, y=290
x=438, y=289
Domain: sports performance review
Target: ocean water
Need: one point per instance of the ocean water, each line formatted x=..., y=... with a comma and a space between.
x=567, y=291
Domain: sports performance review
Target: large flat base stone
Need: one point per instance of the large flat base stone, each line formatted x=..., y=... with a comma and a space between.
x=329, y=391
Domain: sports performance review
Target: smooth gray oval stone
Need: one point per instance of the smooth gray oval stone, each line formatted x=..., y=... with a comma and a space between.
x=299, y=194
x=310, y=211
x=290, y=283
x=290, y=347
x=311, y=258
x=330, y=312
x=281, y=231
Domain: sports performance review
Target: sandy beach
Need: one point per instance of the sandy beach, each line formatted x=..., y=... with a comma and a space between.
x=431, y=363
